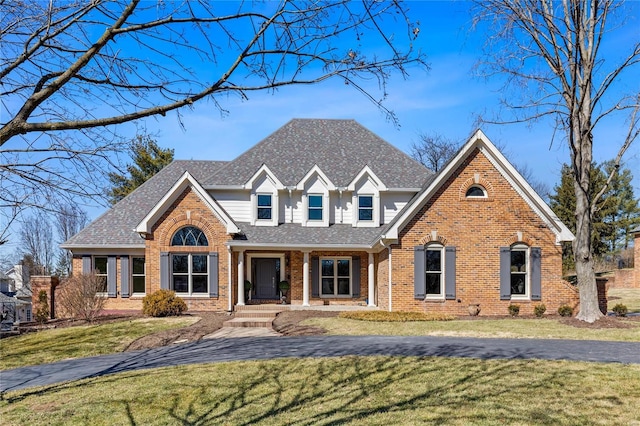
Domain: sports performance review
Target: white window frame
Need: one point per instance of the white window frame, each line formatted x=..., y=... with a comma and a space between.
x=480, y=187
x=144, y=275
x=258, y=207
x=372, y=208
x=190, y=274
x=439, y=248
x=527, y=279
x=335, y=260
x=321, y=208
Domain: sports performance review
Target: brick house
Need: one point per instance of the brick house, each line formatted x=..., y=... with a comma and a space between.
x=341, y=215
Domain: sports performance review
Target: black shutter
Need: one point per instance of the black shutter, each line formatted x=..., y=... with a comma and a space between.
x=419, y=272
x=164, y=270
x=355, y=278
x=315, y=276
x=450, y=273
x=505, y=273
x=124, y=276
x=213, y=274
x=111, y=277
x=535, y=263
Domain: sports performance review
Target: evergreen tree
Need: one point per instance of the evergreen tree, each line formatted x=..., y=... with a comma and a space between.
x=148, y=159
x=621, y=213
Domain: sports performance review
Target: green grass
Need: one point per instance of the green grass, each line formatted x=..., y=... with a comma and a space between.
x=80, y=341
x=349, y=390
x=627, y=296
x=546, y=328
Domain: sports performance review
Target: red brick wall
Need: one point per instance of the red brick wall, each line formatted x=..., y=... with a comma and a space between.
x=48, y=284
x=478, y=228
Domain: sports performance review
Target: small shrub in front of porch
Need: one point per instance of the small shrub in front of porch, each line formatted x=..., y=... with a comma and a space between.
x=163, y=303
x=386, y=316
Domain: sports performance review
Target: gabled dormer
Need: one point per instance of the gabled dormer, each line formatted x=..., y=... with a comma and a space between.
x=316, y=190
x=265, y=206
x=365, y=189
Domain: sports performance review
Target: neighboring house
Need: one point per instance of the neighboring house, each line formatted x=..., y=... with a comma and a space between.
x=343, y=216
x=16, y=295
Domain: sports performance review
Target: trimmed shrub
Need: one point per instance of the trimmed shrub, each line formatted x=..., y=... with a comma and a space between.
x=565, y=311
x=514, y=310
x=539, y=310
x=620, y=310
x=394, y=316
x=163, y=303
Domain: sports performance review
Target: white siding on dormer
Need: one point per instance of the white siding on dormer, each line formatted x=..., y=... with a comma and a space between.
x=237, y=203
x=392, y=203
x=297, y=206
x=366, y=186
x=315, y=185
x=347, y=214
x=265, y=185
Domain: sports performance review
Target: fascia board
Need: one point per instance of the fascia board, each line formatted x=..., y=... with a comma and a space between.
x=247, y=245
x=367, y=171
x=315, y=169
x=263, y=169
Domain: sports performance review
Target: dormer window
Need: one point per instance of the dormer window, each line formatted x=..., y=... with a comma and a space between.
x=264, y=207
x=476, y=191
x=365, y=207
x=315, y=207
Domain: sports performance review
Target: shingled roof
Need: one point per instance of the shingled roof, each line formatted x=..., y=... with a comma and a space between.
x=116, y=226
x=340, y=148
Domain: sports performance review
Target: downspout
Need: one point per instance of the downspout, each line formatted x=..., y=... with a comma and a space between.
x=389, y=273
x=229, y=279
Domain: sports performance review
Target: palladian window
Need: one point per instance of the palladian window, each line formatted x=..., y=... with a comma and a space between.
x=189, y=236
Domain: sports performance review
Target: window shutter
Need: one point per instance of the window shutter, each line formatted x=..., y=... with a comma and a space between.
x=419, y=272
x=355, y=276
x=535, y=263
x=164, y=270
x=315, y=276
x=505, y=273
x=213, y=274
x=86, y=264
x=450, y=273
x=124, y=276
x=111, y=277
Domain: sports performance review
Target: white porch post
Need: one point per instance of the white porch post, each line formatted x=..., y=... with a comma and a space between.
x=371, y=290
x=241, y=278
x=390, y=269
x=305, y=279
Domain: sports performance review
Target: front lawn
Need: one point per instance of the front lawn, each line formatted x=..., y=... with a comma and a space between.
x=627, y=296
x=545, y=328
x=349, y=390
x=81, y=341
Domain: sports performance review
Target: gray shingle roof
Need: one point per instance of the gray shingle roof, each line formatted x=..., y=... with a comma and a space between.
x=116, y=226
x=293, y=234
x=341, y=148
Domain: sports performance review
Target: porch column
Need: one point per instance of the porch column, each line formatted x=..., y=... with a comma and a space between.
x=305, y=279
x=241, y=278
x=371, y=274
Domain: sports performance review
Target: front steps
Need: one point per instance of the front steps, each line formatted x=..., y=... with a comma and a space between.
x=255, y=316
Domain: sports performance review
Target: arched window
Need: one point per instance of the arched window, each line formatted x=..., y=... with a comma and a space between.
x=476, y=191
x=189, y=236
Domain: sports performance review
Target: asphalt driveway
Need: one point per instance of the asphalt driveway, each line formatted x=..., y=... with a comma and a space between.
x=258, y=348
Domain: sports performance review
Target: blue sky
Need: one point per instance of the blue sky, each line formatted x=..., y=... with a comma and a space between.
x=446, y=101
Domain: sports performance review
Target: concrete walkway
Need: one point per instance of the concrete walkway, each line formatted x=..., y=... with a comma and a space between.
x=260, y=348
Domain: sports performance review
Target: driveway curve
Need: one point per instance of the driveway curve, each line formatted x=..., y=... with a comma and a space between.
x=260, y=348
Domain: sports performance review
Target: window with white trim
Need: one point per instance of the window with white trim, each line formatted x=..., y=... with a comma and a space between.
x=190, y=273
x=264, y=207
x=434, y=270
x=476, y=191
x=315, y=207
x=519, y=270
x=100, y=269
x=138, y=275
x=365, y=207
x=335, y=276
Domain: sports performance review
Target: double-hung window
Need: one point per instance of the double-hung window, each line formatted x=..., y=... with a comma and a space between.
x=315, y=207
x=519, y=267
x=365, y=207
x=264, y=207
x=190, y=273
x=434, y=270
x=100, y=268
x=335, y=276
x=138, y=275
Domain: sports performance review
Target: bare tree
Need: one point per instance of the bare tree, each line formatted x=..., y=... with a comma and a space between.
x=36, y=235
x=69, y=219
x=555, y=47
x=433, y=151
x=80, y=297
x=73, y=71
